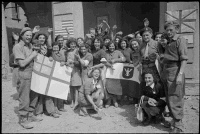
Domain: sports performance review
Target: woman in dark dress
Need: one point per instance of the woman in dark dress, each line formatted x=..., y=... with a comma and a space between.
x=153, y=98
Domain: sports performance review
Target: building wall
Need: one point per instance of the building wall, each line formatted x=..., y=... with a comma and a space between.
x=92, y=10
x=39, y=13
x=193, y=52
x=133, y=14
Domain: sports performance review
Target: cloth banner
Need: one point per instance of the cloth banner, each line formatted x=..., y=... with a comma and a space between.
x=49, y=78
x=124, y=79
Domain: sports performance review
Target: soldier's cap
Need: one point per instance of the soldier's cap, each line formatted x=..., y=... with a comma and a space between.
x=24, y=30
x=168, y=23
x=146, y=29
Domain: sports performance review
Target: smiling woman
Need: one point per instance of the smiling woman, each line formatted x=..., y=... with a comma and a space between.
x=152, y=91
x=91, y=94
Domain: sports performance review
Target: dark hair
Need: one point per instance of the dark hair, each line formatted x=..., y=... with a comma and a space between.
x=106, y=37
x=84, y=45
x=80, y=38
x=111, y=42
x=157, y=33
x=37, y=37
x=127, y=44
x=96, y=30
x=119, y=37
x=137, y=32
x=117, y=45
x=54, y=43
x=90, y=74
x=70, y=40
x=99, y=39
x=174, y=23
x=164, y=36
x=150, y=71
x=26, y=24
x=58, y=36
x=134, y=39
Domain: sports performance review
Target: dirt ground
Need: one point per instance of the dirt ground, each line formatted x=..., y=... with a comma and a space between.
x=115, y=120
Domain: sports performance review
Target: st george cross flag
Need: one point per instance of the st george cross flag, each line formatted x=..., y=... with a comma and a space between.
x=124, y=79
x=49, y=78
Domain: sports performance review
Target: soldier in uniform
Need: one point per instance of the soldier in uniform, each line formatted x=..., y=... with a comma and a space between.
x=24, y=58
x=149, y=51
x=173, y=77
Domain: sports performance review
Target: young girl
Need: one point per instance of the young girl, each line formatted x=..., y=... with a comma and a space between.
x=72, y=61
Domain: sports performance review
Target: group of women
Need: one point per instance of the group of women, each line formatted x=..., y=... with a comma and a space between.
x=89, y=59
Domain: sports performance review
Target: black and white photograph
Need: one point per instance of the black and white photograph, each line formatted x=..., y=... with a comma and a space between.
x=100, y=67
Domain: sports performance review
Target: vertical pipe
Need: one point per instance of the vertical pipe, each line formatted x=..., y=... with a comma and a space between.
x=5, y=52
x=163, y=9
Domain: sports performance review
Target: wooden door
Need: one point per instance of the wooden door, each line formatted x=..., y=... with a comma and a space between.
x=187, y=21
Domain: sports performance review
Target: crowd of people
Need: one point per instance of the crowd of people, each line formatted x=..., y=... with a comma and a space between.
x=161, y=87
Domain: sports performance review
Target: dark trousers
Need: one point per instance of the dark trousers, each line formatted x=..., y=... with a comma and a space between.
x=174, y=93
x=40, y=102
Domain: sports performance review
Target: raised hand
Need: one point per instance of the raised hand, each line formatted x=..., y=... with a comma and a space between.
x=67, y=30
x=49, y=30
x=131, y=35
x=36, y=29
x=114, y=27
x=119, y=33
x=15, y=36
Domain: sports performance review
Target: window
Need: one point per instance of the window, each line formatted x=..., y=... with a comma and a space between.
x=14, y=11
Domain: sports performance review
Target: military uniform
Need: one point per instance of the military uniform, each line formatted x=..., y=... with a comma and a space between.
x=22, y=51
x=149, y=60
x=175, y=52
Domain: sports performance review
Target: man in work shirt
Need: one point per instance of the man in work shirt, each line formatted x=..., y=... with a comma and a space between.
x=173, y=77
x=24, y=58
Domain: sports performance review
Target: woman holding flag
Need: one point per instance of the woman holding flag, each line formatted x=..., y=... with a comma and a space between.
x=113, y=85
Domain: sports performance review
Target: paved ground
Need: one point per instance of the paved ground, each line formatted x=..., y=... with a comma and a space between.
x=115, y=120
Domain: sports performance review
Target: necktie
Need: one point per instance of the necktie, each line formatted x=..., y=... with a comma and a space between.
x=146, y=51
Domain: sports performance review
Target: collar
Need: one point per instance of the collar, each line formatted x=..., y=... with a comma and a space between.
x=111, y=52
x=175, y=37
x=94, y=83
x=152, y=85
x=22, y=42
x=151, y=40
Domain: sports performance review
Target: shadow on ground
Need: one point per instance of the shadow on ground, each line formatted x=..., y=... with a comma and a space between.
x=130, y=116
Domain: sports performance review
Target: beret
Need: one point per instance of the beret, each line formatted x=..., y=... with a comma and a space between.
x=146, y=29
x=168, y=23
x=24, y=30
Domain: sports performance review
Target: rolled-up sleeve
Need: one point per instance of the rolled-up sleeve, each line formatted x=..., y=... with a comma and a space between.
x=18, y=53
x=182, y=48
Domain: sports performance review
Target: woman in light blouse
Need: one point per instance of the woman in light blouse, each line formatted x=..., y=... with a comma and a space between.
x=113, y=85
